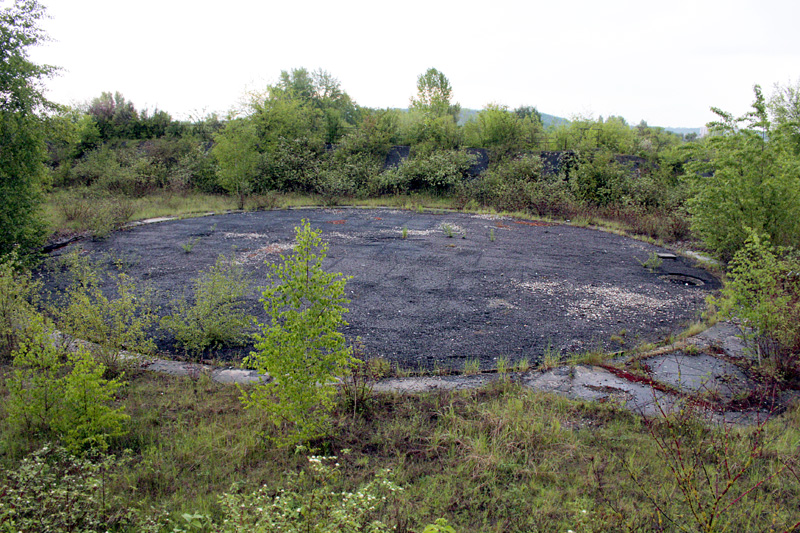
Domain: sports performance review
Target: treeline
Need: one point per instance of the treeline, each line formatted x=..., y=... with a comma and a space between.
x=305, y=134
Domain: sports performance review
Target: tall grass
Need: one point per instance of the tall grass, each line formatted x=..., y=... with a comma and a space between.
x=502, y=458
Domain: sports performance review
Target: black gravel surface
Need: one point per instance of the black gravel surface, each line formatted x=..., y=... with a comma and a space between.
x=457, y=287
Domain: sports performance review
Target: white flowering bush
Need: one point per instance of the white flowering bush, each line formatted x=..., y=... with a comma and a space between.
x=54, y=491
x=309, y=505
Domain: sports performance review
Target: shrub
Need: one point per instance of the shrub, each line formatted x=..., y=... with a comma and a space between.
x=94, y=210
x=216, y=318
x=309, y=505
x=117, y=171
x=197, y=170
x=763, y=292
x=372, y=139
x=721, y=477
x=291, y=165
x=358, y=380
x=114, y=324
x=301, y=347
x=54, y=491
x=109, y=214
x=438, y=171
x=18, y=298
x=58, y=394
x=518, y=185
x=430, y=134
x=600, y=180
x=346, y=175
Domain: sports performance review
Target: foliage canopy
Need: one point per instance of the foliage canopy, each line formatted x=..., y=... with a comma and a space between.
x=21, y=131
x=745, y=180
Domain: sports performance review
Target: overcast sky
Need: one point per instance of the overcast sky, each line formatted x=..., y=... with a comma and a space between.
x=664, y=62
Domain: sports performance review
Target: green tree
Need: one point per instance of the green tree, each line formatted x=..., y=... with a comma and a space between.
x=281, y=115
x=116, y=117
x=335, y=112
x=88, y=420
x=652, y=142
x=21, y=137
x=784, y=107
x=432, y=120
x=586, y=133
x=56, y=394
x=496, y=129
x=526, y=111
x=290, y=136
x=744, y=180
x=434, y=94
x=18, y=303
x=238, y=158
x=616, y=135
x=36, y=388
x=300, y=346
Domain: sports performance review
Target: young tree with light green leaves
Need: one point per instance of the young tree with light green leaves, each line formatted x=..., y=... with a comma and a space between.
x=60, y=394
x=301, y=346
x=434, y=95
x=238, y=158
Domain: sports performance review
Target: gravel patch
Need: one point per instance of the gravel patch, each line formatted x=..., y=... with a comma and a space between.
x=428, y=300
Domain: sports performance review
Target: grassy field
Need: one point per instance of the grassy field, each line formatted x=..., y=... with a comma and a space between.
x=499, y=459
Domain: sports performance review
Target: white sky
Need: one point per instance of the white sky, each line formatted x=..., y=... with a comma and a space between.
x=665, y=62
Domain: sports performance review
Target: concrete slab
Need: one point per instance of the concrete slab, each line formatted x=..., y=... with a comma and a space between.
x=701, y=257
x=238, y=375
x=698, y=374
x=724, y=336
x=220, y=375
x=598, y=384
x=155, y=220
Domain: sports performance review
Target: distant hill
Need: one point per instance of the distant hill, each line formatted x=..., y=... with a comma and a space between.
x=685, y=131
x=547, y=120
x=553, y=121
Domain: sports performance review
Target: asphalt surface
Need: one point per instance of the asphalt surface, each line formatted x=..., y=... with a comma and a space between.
x=457, y=287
